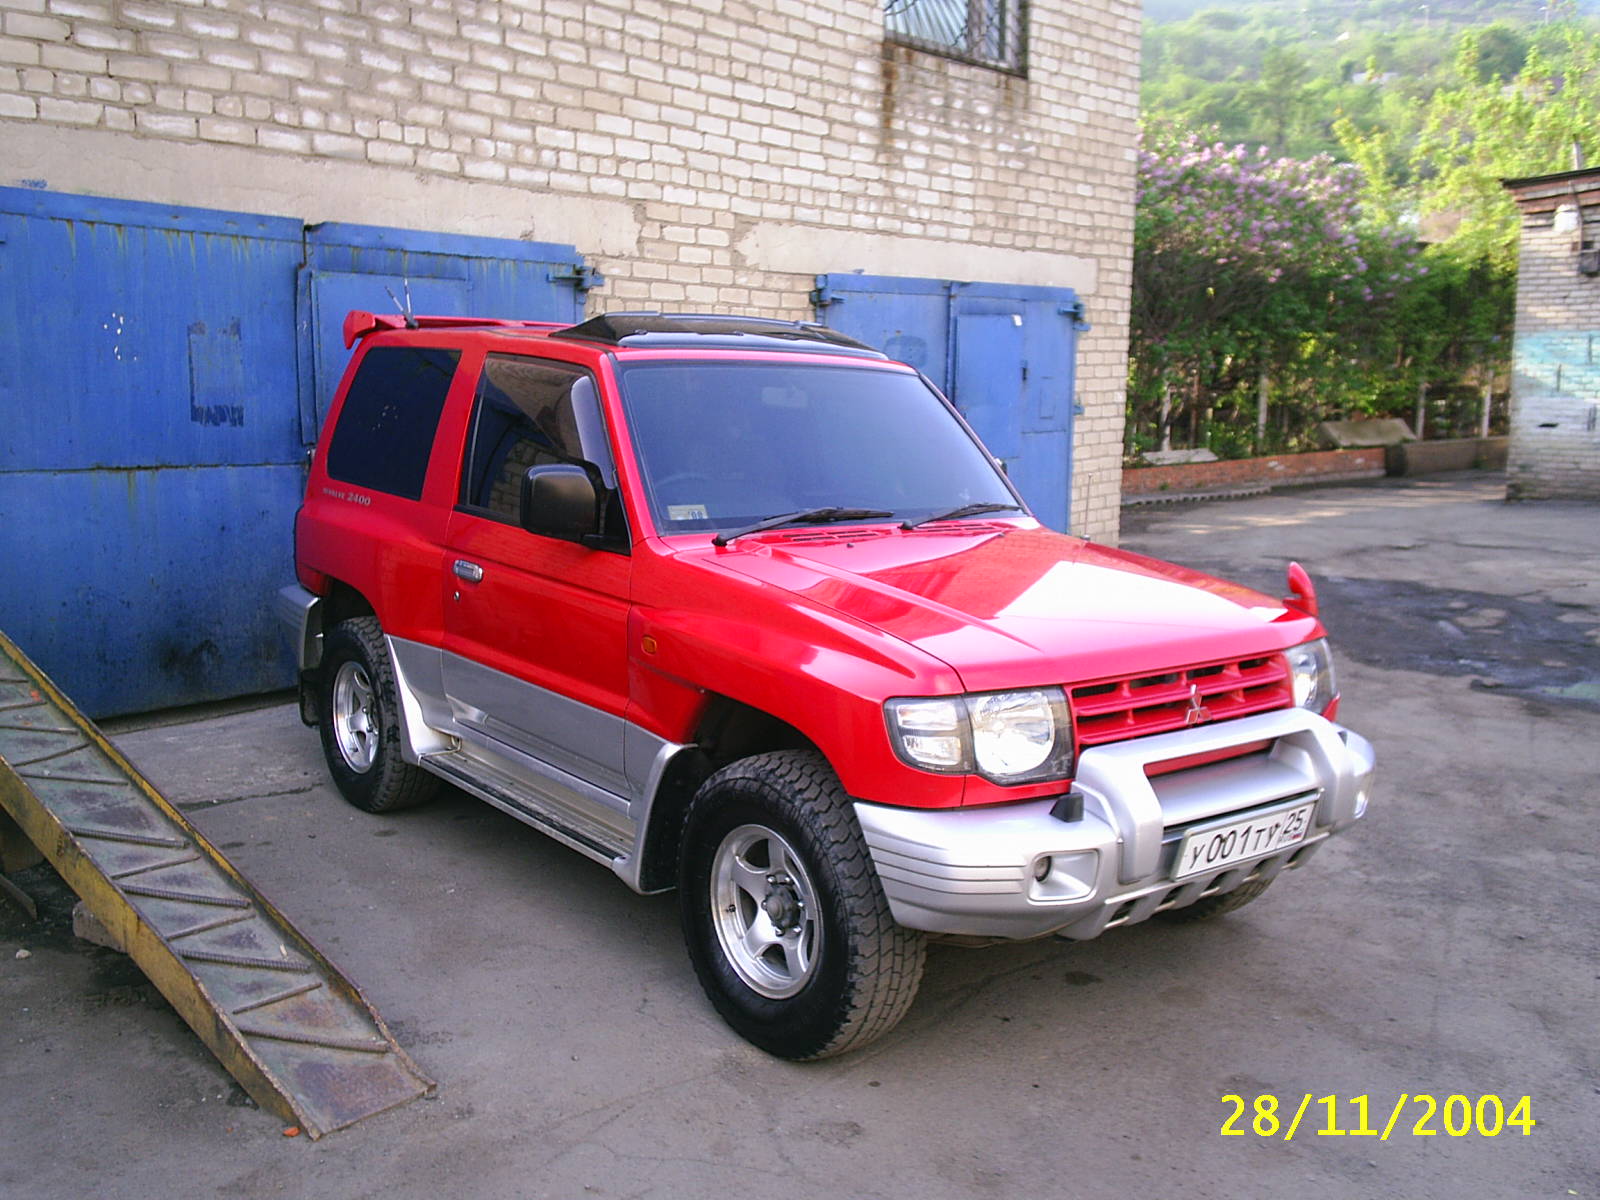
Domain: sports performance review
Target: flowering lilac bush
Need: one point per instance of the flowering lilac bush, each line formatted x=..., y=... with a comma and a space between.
x=1254, y=272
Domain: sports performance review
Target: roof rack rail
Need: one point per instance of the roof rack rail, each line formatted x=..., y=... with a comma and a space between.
x=358, y=323
x=702, y=330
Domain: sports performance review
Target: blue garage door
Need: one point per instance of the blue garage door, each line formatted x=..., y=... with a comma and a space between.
x=157, y=394
x=1006, y=355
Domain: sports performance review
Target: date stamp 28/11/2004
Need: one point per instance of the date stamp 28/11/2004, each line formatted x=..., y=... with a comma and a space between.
x=1411, y=1115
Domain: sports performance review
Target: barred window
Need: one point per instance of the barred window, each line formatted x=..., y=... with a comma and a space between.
x=990, y=32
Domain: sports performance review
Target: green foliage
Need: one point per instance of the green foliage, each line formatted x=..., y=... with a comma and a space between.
x=1244, y=262
x=1498, y=52
x=1281, y=73
x=1475, y=134
x=1380, y=129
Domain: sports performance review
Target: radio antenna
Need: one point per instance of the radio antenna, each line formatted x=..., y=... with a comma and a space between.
x=405, y=309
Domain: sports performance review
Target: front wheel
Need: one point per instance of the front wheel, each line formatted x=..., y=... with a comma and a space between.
x=785, y=920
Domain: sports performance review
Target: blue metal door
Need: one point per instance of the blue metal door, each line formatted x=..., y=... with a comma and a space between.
x=989, y=379
x=149, y=445
x=157, y=380
x=1005, y=354
x=908, y=319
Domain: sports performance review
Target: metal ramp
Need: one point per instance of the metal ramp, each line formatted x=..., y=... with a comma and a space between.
x=298, y=1035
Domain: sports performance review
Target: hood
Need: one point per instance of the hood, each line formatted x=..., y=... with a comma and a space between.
x=1010, y=605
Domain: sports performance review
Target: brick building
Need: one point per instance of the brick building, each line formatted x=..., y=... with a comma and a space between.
x=1555, y=389
x=201, y=188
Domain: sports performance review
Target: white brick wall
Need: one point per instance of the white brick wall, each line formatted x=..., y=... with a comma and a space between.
x=704, y=154
x=1555, y=390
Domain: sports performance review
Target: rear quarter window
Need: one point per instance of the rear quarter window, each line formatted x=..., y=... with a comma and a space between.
x=385, y=432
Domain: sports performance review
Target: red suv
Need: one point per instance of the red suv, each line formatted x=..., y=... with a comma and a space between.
x=745, y=608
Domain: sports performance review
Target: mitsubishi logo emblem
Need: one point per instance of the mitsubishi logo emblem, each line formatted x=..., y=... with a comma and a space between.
x=1198, y=712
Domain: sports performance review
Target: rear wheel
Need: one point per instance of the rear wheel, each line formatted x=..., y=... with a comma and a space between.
x=359, y=719
x=785, y=920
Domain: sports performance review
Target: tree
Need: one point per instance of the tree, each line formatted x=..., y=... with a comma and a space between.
x=1280, y=94
x=1500, y=51
x=1430, y=121
x=1478, y=133
x=1249, y=267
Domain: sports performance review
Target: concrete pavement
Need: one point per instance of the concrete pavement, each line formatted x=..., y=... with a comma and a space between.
x=1446, y=946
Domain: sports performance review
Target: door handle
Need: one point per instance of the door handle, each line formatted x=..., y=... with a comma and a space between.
x=470, y=571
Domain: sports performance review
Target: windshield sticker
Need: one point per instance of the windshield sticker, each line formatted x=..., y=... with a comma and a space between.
x=687, y=512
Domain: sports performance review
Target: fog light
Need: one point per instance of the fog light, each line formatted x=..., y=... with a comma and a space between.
x=1063, y=878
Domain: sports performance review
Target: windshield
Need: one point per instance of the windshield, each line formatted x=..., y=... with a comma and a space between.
x=725, y=444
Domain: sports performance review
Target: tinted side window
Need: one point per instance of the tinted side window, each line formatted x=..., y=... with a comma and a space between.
x=529, y=412
x=386, y=427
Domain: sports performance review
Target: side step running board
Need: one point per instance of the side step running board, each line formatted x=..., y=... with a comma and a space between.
x=298, y=1035
x=513, y=797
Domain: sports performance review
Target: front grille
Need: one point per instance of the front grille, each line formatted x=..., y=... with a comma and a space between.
x=1113, y=710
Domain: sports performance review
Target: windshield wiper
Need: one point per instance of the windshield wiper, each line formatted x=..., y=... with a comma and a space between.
x=965, y=510
x=806, y=516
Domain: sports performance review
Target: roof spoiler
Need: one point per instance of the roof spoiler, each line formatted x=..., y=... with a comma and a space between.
x=358, y=323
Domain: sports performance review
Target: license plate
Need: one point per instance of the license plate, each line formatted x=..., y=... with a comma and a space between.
x=1216, y=846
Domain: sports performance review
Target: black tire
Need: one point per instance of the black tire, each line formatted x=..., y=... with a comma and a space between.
x=358, y=716
x=845, y=973
x=1216, y=906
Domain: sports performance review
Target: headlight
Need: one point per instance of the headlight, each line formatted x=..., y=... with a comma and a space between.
x=1311, y=672
x=1007, y=737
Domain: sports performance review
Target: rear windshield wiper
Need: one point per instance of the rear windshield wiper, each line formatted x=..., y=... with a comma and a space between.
x=806, y=516
x=965, y=510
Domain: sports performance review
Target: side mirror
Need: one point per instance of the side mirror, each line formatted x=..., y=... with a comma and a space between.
x=559, y=501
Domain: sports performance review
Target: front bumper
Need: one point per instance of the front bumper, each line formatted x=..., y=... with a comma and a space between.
x=972, y=871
